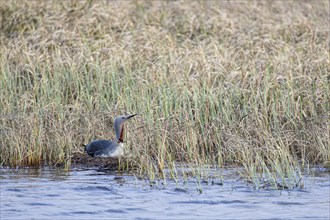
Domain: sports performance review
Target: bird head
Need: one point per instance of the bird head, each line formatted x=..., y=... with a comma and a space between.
x=119, y=126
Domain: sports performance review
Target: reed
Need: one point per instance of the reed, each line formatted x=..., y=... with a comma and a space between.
x=220, y=83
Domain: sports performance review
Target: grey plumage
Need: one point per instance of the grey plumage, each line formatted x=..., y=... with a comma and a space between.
x=107, y=148
x=101, y=147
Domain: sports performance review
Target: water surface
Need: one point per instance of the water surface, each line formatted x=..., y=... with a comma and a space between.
x=99, y=194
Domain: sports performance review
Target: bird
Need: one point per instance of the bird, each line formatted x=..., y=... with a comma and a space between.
x=108, y=148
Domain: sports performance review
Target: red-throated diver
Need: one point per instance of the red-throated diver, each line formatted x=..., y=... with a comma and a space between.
x=107, y=148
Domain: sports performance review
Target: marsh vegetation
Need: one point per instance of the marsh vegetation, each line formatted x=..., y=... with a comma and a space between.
x=216, y=83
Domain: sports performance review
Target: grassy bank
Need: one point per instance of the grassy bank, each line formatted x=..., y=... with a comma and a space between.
x=223, y=83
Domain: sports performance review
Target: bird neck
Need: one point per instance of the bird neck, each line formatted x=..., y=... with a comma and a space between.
x=121, y=137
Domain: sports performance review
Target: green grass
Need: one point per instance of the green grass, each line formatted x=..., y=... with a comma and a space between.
x=216, y=83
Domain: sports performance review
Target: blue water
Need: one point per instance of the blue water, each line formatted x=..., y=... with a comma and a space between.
x=100, y=194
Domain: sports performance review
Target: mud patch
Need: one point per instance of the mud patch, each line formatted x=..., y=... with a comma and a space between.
x=79, y=160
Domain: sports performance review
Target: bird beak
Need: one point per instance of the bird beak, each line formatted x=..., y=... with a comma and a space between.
x=131, y=116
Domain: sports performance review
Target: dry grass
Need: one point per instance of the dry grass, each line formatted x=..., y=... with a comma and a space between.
x=230, y=82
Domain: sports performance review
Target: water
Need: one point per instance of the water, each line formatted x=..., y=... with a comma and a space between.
x=100, y=194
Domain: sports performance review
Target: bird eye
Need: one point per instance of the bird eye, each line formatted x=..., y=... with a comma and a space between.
x=122, y=117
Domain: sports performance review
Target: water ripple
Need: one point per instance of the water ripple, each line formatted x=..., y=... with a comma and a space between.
x=115, y=211
x=94, y=188
x=38, y=204
x=180, y=190
x=83, y=213
x=289, y=203
x=15, y=190
x=211, y=202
